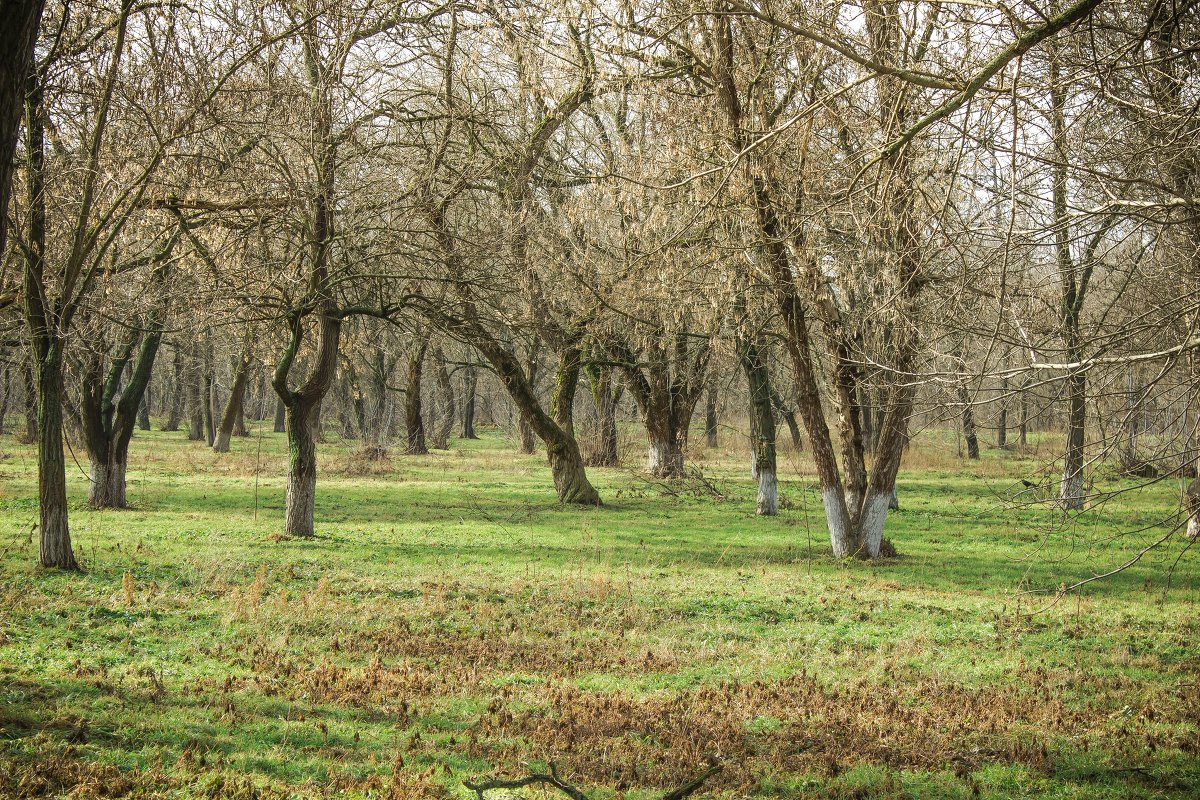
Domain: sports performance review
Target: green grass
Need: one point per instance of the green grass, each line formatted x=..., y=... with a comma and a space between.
x=451, y=620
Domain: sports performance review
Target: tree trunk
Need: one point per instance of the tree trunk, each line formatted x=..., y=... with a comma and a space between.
x=789, y=417
x=413, y=422
x=606, y=394
x=302, y=469
x=18, y=33
x=1072, y=490
x=280, y=417
x=1002, y=420
x=968, y=423
x=143, y=416
x=710, y=414
x=526, y=435
x=175, y=415
x=1023, y=425
x=6, y=388
x=209, y=404
x=762, y=419
x=55, y=533
x=233, y=406
x=468, y=413
x=449, y=411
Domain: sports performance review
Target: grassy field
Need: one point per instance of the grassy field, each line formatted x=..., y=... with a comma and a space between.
x=451, y=621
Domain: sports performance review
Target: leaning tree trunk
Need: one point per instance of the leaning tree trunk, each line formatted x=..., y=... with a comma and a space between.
x=562, y=450
x=526, y=435
x=414, y=423
x=468, y=413
x=233, y=406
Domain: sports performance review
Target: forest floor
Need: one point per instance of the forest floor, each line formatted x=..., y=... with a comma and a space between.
x=451, y=621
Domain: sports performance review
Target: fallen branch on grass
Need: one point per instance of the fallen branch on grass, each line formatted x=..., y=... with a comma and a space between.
x=552, y=779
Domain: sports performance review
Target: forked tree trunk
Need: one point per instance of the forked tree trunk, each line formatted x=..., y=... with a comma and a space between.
x=562, y=450
x=414, y=422
x=471, y=381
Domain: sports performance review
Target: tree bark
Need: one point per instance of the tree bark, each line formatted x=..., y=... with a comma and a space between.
x=233, y=406
x=54, y=531
x=414, y=422
x=710, y=414
x=526, y=435
x=449, y=411
x=18, y=33
x=280, y=417
x=468, y=414
x=968, y=423
x=6, y=388
x=606, y=394
x=762, y=422
x=178, y=398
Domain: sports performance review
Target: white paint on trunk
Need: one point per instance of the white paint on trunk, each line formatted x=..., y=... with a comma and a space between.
x=1193, y=531
x=840, y=535
x=658, y=458
x=874, y=515
x=768, y=493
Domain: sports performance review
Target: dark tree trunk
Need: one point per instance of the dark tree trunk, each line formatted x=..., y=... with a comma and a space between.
x=710, y=414
x=18, y=33
x=1023, y=425
x=468, y=414
x=414, y=423
x=968, y=422
x=208, y=402
x=1072, y=490
x=280, y=417
x=55, y=533
x=6, y=388
x=46, y=372
x=1002, y=418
